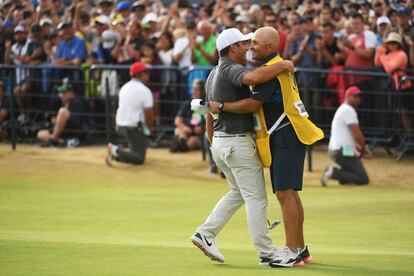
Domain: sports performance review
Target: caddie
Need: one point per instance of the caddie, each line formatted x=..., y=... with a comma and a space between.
x=283, y=131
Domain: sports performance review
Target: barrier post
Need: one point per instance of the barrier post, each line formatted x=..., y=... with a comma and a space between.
x=108, y=112
x=13, y=126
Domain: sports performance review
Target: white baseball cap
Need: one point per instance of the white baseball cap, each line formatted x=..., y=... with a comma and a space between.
x=103, y=19
x=383, y=20
x=45, y=21
x=229, y=37
x=108, y=39
x=149, y=17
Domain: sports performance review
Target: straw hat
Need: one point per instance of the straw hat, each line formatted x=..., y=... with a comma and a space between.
x=393, y=37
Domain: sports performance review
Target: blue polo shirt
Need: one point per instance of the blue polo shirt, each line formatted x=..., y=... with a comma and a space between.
x=74, y=48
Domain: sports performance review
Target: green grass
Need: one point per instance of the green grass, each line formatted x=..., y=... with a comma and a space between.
x=91, y=220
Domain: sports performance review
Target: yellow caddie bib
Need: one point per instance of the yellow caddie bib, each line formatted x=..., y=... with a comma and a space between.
x=295, y=110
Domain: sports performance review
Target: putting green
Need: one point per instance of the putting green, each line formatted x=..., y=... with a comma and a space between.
x=63, y=212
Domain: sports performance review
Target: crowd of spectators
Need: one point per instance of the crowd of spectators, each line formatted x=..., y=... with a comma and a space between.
x=336, y=35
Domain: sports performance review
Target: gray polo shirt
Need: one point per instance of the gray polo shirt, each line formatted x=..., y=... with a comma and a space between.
x=225, y=84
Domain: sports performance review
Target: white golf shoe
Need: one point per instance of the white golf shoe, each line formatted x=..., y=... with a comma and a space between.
x=207, y=246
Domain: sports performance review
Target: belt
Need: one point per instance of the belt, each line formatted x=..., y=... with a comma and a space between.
x=223, y=135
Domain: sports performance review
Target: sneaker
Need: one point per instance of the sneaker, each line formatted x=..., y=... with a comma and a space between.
x=326, y=175
x=287, y=258
x=72, y=143
x=109, y=157
x=305, y=255
x=207, y=246
x=266, y=260
x=213, y=169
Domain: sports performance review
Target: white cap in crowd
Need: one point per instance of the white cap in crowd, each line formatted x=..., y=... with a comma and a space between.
x=45, y=21
x=383, y=20
x=149, y=17
x=108, y=39
x=19, y=29
x=229, y=37
x=103, y=19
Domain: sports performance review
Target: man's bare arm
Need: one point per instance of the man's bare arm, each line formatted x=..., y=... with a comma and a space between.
x=266, y=73
x=149, y=117
x=357, y=134
x=247, y=105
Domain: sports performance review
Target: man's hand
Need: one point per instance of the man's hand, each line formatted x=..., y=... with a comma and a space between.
x=319, y=44
x=287, y=65
x=214, y=107
x=408, y=40
x=367, y=153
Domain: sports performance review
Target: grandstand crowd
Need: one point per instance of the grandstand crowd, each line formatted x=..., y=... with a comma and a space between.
x=64, y=39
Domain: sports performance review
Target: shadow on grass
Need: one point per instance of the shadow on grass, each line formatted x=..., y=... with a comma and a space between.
x=316, y=268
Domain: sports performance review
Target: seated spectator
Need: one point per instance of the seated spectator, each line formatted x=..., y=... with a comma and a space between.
x=70, y=123
x=188, y=126
x=134, y=118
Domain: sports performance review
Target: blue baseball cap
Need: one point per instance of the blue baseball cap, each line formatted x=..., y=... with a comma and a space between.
x=8, y=23
x=403, y=10
x=122, y=6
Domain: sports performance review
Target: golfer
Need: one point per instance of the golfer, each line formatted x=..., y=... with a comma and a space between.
x=234, y=149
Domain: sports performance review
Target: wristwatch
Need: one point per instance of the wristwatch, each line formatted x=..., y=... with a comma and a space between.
x=221, y=107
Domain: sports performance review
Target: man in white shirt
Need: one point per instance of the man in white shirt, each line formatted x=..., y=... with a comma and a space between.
x=134, y=117
x=17, y=54
x=347, y=143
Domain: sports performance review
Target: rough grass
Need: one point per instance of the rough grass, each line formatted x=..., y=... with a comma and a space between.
x=63, y=212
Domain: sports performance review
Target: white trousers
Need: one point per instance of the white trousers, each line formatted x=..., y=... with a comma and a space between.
x=237, y=157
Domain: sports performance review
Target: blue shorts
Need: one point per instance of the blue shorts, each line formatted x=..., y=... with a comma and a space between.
x=288, y=158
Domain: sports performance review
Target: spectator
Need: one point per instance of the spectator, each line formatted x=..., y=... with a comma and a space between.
x=394, y=61
x=123, y=10
x=187, y=132
x=383, y=29
x=182, y=50
x=46, y=25
x=359, y=51
x=347, y=144
x=329, y=53
x=71, y=51
x=303, y=54
x=127, y=50
x=404, y=27
x=138, y=10
x=106, y=7
x=69, y=123
x=104, y=56
x=17, y=54
x=134, y=118
x=51, y=45
x=203, y=46
x=151, y=20
x=36, y=55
